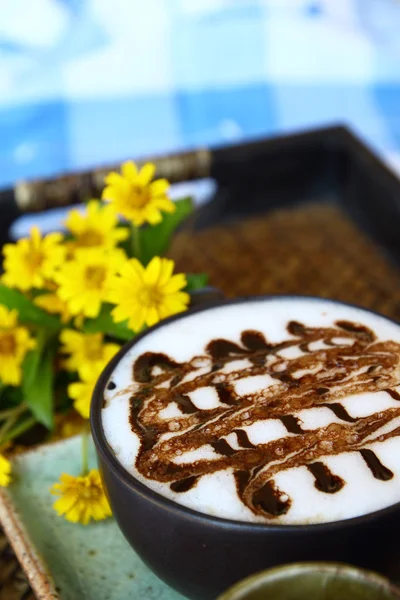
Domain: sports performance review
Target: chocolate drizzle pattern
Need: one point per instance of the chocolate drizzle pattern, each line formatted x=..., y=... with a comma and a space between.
x=330, y=364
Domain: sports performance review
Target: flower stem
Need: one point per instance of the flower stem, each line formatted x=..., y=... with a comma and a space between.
x=135, y=240
x=4, y=414
x=84, y=449
x=10, y=417
x=16, y=410
x=18, y=429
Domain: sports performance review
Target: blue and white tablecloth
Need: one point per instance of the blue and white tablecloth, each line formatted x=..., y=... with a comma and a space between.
x=84, y=82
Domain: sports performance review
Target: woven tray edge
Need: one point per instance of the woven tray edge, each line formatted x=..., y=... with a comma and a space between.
x=31, y=562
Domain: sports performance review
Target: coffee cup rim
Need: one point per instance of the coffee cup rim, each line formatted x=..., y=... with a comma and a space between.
x=154, y=497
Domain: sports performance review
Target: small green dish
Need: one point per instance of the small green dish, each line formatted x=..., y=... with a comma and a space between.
x=313, y=581
x=65, y=561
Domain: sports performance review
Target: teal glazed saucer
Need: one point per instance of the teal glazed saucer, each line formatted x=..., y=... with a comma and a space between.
x=66, y=561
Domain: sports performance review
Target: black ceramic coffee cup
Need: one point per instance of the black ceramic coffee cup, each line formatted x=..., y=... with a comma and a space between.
x=200, y=555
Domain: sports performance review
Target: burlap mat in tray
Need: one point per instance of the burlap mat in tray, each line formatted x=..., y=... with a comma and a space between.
x=312, y=249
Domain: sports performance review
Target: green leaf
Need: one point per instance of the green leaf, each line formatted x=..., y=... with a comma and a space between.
x=32, y=360
x=27, y=311
x=154, y=240
x=37, y=384
x=30, y=367
x=196, y=282
x=104, y=324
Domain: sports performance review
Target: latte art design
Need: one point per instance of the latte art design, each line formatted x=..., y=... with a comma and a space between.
x=312, y=367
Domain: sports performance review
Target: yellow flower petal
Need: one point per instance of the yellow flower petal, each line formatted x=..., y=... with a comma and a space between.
x=176, y=283
x=146, y=174
x=35, y=237
x=114, y=179
x=54, y=305
x=129, y=170
x=64, y=504
x=165, y=204
x=137, y=319
x=5, y=471
x=167, y=268
x=8, y=318
x=152, y=215
x=81, y=391
x=152, y=316
x=82, y=394
x=15, y=342
x=133, y=269
x=153, y=271
x=158, y=187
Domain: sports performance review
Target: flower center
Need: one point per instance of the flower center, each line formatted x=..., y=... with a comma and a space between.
x=150, y=296
x=95, y=277
x=94, y=350
x=35, y=259
x=139, y=196
x=90, y=237
x=7, y=344
x=89, y=492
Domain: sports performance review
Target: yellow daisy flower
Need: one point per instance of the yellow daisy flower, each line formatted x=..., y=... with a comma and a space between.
x=145, y=295
x=72, y=425
x=86, y=350
x=96, y=227
x=29, y=262
x=5, y=471
x=67, y=425
x=54, y=305
x=15, y=342
x=84, y=280
x=81, y=391
x=81, y=498
x=135, y=196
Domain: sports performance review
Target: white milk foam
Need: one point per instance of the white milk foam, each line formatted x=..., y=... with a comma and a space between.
x=216, y=493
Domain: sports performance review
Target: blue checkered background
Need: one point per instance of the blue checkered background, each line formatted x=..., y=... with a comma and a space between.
x=85, y=82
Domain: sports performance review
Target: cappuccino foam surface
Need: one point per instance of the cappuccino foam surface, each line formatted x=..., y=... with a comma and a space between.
x=296, y=422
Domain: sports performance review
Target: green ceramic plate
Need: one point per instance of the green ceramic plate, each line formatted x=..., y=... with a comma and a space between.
x=63, y=560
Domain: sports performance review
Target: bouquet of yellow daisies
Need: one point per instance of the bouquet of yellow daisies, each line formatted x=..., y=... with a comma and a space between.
x=68, y=302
